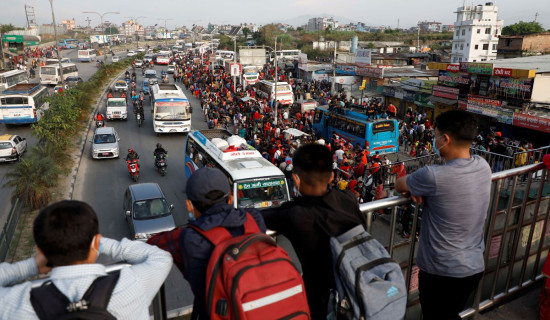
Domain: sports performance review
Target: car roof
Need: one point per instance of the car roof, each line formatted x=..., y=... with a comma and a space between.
x=6, y=137
x=121, y=81
x=143, y=191
x=151, y=71
x=104, y=130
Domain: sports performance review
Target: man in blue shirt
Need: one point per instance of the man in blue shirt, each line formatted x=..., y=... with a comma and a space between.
x=456, y=199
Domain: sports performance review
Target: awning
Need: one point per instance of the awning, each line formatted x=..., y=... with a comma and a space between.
x=445, y=101
x=295, y=132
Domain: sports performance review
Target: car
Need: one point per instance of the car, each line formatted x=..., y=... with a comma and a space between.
x=12, y=147
x=152, y=76
x=146, y=210
x=148, y=58
x=121, y=85
x=105, y=143
x=115, y=58
x=66, y=60
x=140, y=49
x=131, y=53
x=145, y=86
x=138, y=63
x=171, y=68
x=72, y=82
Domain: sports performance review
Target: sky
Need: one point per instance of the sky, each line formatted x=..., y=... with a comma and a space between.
x=186, y=12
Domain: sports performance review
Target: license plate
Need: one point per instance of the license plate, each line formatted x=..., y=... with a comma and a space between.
x=105, y=154
x=16, y=114
x=116, y=116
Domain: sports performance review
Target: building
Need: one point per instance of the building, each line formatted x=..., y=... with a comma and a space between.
x=318, y=24
x=68, y=24
x=477, y=29
x=524, y=45
x=430, y=26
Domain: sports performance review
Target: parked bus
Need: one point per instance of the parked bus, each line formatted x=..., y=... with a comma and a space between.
x=251, y=76
x=10, y=78
x=354, y=127
x=171, y=109
x=266, y=89
x=68, y=44
x=50, y=74
x=23, y=103
x=255, y=182
x=87, y=55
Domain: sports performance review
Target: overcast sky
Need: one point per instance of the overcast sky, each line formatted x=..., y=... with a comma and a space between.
x=185, y=12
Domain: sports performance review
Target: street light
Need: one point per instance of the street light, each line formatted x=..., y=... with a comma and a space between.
x=165, y=30
x=101, y=19
x=57, y=46
x=134, y=19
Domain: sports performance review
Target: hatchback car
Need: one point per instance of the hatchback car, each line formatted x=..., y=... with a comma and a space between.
x=151, y=75
x=11, y=147
x=147, y=211
x=105, y=143
x=121, y=86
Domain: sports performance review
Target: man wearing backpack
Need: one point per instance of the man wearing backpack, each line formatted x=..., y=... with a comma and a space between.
x=210, y=205
x=456, y=198
x=68, y=243
x=312, y=218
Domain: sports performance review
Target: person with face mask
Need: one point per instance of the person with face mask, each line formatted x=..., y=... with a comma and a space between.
x=209, y=204
x=68, y=244
x=456, y=199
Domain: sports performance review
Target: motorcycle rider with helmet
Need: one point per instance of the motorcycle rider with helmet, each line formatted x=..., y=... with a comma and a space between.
x=159, y=149
x=132, y=155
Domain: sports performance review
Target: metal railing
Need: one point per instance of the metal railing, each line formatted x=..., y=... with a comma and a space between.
x=8, y=231
x=530, y=156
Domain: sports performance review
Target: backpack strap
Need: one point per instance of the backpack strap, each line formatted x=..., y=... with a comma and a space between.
x=100, y=291
x=219, y=234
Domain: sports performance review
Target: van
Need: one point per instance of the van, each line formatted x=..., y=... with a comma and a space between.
x=117, y=106
x=151, y=75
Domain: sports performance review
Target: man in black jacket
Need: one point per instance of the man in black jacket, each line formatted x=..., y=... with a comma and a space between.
x=312, y=218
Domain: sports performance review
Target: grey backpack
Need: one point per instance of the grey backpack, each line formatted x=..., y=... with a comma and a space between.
x=369, y=284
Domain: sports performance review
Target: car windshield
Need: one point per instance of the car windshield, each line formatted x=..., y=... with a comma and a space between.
x=261, y=194
x=5, y=145
x=120, y=84
x=104, y=138
x=176, y=110
x=150, y=209
x=150, y=75
x=116, y=103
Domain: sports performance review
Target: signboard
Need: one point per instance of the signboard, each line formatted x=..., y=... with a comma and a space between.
x=363, y=56
x=319, y=75
x=453, y=67
x=235, y=69
x=512, y=86
x=212, y=57
x=261, y=184
x=302, y=61
x=446, y=92
x=12, y=38
x=453, y=79
x=345, y=70
x=372, y=72
x=491, y=108
x=531, y=122
x=502, y=72
x=477, y=68
x=347, y=80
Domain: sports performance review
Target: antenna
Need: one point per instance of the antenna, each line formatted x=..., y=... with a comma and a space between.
x=536, y=16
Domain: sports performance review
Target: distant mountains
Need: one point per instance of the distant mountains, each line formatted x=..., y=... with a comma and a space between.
x=303, y=19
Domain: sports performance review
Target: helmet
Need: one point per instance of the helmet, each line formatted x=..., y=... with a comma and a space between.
x=130, y=150
x=159, y=145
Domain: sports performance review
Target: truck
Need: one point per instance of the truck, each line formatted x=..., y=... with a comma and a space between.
x=117, y=106
x=252, y=60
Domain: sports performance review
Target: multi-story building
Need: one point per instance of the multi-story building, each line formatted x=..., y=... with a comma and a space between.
x=317, y=24
x=69, y=24
x=430, y=26
x=477, y=29
x=523, y=45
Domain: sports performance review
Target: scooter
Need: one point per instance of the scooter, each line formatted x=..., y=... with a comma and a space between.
x=133, y=169
x=139, y=119
x=160, y=163
x=99, y=123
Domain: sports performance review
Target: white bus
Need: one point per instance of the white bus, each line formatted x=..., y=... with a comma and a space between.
x=23, y=103
x=288, y=54
x=10, y=78
x=87, y=55
x=171, y=109
x=50, y=74
x=255, y=182
x=163, y=58
x=225, y=54
x=251, y=75
x=266, y=89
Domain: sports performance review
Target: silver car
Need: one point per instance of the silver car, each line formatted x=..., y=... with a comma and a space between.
x=105, y=143
x=147, y=211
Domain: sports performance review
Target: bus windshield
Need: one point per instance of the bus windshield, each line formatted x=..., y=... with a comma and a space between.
x=261, y=194
x=48, y=70
x=176, y=110
x=283, y=87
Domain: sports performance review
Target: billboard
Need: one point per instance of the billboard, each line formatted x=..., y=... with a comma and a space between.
x=363, y=56
x=453, y=79
x=252, y=57
x=531, y=122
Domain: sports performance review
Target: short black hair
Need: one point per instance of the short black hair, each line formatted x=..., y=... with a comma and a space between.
x=215, y=197
x=313, y=164
x=64, y=231
x=460, y=125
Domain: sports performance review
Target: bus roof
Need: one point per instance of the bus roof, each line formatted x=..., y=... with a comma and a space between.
x=354, y=114
x=22, y=88
x=167, y=91
x=4, y=72
x=241, y=164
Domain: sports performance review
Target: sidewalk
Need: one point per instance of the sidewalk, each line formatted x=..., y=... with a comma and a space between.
x=524, y=307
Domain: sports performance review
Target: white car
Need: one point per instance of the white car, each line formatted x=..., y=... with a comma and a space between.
x=171, y=68
x=115, y=58
x=11, y=147
x=105, y=143
x=140, y=49
x=121, y=86
x=131, y=53
x=139, y=63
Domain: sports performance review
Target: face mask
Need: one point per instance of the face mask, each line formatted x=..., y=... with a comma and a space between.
x=435, y=148
x=100, y=248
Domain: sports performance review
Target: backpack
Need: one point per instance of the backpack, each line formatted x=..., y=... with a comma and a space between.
x=251, y=277
x=369, y=284
x=50, y=303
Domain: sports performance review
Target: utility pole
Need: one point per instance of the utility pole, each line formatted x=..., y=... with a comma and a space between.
x=333, y=83
x=536, y=16
x=165, y=31
x=276, y=79
x=57, y=46
x=418, y=38
x=235, y=61
x=88, y=20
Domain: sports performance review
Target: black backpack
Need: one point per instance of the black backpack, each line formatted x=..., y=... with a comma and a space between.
x=50, y=303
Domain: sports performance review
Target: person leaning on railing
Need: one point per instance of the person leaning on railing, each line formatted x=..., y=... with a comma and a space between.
x=456, y=199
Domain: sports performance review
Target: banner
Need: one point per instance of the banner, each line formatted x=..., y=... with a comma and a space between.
x=372, y=72
x=512, y=86
x=477, y=68
x=491, y=108
x=446, y=92
x=363, y=56
x=345, y=70
x=531, y=122
x=453, y=79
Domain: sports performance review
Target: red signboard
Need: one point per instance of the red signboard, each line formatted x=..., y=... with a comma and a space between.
x=502, y=72
x=531, y=122
x=453, y=67
x=445, y=92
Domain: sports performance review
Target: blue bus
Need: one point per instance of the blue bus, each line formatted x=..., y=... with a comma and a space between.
x=354, y=127
x=68, y=44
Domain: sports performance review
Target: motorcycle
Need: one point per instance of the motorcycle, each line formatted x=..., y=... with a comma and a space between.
x=133, y=169
x=160, y=163
x=99, y=123
x=139, y=119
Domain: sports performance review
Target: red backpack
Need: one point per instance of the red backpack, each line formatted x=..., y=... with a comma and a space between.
x=251, y=277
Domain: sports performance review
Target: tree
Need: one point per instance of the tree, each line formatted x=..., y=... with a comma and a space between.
x=5, y=28
x=246, y=32
x=111, y=30
x=521, y=28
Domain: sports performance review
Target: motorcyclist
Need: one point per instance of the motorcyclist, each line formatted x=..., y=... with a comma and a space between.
x=134, y=75
x=127, y=74
x=159, y=149
x=141, y=96
x=132, y=155
x=139, y=110
x=99, y=117
x=135, y=98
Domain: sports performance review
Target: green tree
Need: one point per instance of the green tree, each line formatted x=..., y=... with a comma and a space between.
x=7, y=28
x=246, y=32
x=522, y=28
x=111, y=30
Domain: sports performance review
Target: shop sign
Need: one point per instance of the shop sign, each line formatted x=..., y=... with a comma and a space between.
x=514, y=86
x=389, y=91
x=490, y=108
x=453, y=67
x=408, y=95
x=446, y=92
x=363, y=56
x=477, y=68
x=345, y=70
x=502, y=72
x=531, y=122
x=453, y=79
x=373, y=72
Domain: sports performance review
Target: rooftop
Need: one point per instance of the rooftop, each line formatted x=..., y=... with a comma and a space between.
x=539, y=63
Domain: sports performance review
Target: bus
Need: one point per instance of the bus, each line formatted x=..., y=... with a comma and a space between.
x=10, y=78
x=163, y=58
x=171, y=109
x=353, y=126
x=287, y=54
x=68, y=44
x=50, y=74
x=266, y=89
x=251, y=76
x=255, y=182
x=86, y=55
x=23, y=103
x=225, y=54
